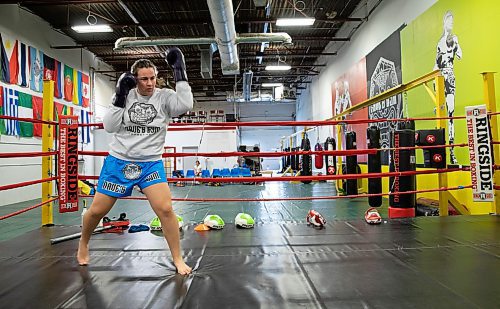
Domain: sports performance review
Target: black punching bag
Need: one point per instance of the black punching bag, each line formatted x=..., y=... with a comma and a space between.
x=374, y=166
x=330, y=161
x=292, y=160
x=351, y=164
x=402, y=161
x=306, y=166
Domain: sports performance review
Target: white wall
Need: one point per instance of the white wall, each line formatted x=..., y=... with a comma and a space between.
x=33, y=31
x=316, y=102
x=225, y=140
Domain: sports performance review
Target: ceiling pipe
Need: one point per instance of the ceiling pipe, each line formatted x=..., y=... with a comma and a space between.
x=221, y=12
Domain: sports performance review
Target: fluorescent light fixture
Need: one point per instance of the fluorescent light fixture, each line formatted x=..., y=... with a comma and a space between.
x=92, y=28
x=288, y=22
x=283, y=67
x=272, y=84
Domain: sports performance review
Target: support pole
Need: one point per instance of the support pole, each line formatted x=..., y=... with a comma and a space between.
x=47, y=145
x=490, y=101
x=441, y=123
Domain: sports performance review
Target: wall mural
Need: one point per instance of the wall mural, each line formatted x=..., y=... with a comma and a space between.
x=383, y=66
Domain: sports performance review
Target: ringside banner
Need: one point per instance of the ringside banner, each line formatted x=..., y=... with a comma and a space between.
x=68, y=163
x=480, y=153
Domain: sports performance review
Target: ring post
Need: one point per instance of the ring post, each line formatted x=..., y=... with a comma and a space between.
x=489, y=99
x=47, y=144
x=441, y=123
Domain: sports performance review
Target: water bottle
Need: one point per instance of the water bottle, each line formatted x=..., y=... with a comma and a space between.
x=83, y=211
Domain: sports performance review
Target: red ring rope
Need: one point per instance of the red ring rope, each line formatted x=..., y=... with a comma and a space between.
x=26, y=183
x=302, y=198
x=28, y=154
x=28, y=120
x=305, y=178
x=300, y=123
x=27, y=209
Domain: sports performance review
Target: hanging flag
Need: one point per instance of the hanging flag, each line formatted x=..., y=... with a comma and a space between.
x=58, y=80
x=4, y=63
x=68, y=83
x=10, y=46
x=84, y=132
x=85, y=90
x=2, y=121
x=24, y=65
x=37, y=114
x=10, y=101
x=36, y=69
x=79, y=82
x=49, y=67
x=76, y=86
x=25, y=110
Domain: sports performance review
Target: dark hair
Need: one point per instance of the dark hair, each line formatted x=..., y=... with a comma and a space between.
x=142, y=64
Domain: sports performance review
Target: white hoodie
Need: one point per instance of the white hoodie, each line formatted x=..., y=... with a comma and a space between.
x=140, y=128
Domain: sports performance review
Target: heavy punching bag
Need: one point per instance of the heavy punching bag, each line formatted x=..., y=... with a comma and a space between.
x=287, y=158
x=306, y=166
x=292, y=159
x=330, y=161
x=351, y=164
x=318, y=158
x=402, y=205
x=374, y=166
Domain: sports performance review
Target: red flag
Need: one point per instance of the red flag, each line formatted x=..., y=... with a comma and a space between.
x=85, y=90
x=49, y=67
x=37, y=114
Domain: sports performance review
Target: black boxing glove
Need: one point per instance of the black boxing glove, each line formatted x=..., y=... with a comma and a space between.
x=175, y=59
x=125, y=83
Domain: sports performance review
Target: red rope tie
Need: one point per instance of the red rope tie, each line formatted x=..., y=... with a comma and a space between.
x=27, y=209
x=26, y=183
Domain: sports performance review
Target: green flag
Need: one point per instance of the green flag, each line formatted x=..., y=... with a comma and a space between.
x=25, y=110
x=68, y=83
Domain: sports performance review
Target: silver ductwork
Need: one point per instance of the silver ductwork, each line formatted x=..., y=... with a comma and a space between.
x=247, y=84
x=127, y=42
x=222, y=15
x=226, y=38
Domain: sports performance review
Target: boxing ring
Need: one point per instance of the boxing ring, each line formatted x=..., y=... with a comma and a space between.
x=445, y=261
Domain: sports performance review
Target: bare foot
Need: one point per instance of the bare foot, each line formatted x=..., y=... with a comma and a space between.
x=182, y=267
x=83, y=254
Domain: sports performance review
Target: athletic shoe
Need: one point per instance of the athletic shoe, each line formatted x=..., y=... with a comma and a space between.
x=372, y=216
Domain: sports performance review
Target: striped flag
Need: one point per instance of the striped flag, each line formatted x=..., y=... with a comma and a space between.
x=2, y=121
x=9, y=55
x=25, y=110
x=10, y=101
x=24, y=65
x=76, y=87
x=85, y=89
x=84, y=132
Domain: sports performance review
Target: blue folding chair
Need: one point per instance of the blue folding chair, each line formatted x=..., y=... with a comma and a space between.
x=190, y=174
x=225, y=172
x=235, y=172
x=216, y=173
x=205, y=174
x=246, y=172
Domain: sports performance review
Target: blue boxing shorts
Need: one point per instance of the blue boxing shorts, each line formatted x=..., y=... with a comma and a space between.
x=118, y=177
